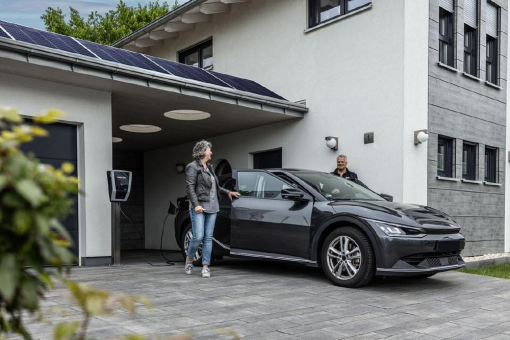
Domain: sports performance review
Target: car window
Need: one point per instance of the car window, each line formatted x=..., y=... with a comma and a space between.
x=261, y=185
x=336, y=188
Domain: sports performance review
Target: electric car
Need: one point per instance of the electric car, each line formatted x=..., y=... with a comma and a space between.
x=319, y=219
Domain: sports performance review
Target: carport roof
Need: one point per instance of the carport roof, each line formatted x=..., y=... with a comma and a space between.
x=154, y=72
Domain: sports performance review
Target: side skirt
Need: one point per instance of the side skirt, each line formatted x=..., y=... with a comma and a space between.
x=271, y=256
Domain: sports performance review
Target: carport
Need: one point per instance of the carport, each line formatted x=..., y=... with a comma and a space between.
x=100, y=97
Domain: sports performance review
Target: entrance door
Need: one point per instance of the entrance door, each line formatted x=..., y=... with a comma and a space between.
x=262, y=221
x=59, y=147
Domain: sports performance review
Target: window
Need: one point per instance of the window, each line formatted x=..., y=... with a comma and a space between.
x=446, y=37
x=445, y=154
x=492, y=65
x=470, y=50
x=260, y=185
x=469, y=161
x=492, y=22
x=200, y=55
x=324, y=10
x=491, y=164
x=267, y=159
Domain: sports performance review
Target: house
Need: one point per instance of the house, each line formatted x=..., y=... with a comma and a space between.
x=373, y=74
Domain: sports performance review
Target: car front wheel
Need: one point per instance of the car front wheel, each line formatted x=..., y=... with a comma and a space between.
x=348, y=258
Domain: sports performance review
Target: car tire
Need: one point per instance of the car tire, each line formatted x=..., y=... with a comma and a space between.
x=347, y=267
x=188, y=232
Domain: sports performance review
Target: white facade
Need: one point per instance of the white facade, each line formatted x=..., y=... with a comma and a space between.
x=381, y=87
x=90, y=110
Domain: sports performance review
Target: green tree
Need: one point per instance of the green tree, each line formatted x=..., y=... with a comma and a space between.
x=105, y=28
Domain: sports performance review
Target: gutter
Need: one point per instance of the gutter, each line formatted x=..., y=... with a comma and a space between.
x=158, y=22
x=54, y=58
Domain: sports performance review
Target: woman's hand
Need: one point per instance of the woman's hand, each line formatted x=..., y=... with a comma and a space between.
x=233, y=194
x=199, y=209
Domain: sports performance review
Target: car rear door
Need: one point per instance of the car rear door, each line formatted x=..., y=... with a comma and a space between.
x=263, y=222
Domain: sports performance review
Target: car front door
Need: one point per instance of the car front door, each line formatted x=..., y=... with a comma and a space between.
x=265, y=224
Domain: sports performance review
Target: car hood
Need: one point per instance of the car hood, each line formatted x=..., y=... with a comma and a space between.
x=402, y=213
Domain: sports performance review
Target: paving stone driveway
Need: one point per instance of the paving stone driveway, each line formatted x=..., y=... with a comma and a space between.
x=267, y=300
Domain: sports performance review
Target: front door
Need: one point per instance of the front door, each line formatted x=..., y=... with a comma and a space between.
x=264, y=222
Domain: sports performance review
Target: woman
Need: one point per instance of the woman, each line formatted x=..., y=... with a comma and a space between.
x=204, y=194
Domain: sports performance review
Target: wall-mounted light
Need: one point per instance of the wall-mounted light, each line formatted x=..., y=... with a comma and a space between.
x=421, y=136
x=180, y=167
x=332, y=142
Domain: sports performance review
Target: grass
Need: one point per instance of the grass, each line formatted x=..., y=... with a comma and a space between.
x=502, y=271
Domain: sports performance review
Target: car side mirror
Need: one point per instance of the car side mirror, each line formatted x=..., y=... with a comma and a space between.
x=387, y=197
x=172, y=209
x=294, y=194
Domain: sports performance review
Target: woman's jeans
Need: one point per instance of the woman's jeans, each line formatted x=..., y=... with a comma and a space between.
x=203, y=230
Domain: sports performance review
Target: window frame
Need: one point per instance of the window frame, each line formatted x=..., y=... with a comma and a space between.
x=449, y=157
x=238, y=183
x=471, y=50
x=471, y=160
x=492, y=60
x=493, y=176
x=448, y=39
x=199, y=47
x=314, y=12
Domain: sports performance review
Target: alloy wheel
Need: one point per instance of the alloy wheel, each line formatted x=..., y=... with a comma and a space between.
x=344, y=258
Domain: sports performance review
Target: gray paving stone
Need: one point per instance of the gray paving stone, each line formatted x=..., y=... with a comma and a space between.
x=259, y=300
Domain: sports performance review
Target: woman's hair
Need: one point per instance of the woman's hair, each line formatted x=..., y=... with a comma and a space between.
x=200, y=149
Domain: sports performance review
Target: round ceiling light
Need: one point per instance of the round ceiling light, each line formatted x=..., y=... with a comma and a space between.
x=116, y=140
x=187, y=115
x=140, y=128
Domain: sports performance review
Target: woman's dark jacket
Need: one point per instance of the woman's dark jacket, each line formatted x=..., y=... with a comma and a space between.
x=199, y=183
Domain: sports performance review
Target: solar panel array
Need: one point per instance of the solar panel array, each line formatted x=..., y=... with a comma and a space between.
x=129, y=58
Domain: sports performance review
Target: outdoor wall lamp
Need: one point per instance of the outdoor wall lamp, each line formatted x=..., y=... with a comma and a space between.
x=332, y=142
x=421, y=136
x=179, y=167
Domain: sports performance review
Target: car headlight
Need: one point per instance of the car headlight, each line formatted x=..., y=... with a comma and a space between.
x=391, y=229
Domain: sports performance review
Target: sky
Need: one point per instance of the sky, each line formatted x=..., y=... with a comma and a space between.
x=28, y=12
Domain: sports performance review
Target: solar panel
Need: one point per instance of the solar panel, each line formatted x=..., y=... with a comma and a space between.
x=16, y=32
x=246, y=85
x=66, y=43
x=186, y=71
x=94, y=50
x=3, y=34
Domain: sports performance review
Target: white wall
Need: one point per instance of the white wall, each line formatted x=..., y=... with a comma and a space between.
x=360, y=74
x=507, y=169
x=91, y=111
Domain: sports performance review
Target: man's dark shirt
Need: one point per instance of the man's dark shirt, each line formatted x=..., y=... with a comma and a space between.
x=348, y=174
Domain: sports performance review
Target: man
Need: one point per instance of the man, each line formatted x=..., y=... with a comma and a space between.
x=342, y=170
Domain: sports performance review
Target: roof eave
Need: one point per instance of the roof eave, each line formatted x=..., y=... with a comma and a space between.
x=149, y=76
x=158, y=22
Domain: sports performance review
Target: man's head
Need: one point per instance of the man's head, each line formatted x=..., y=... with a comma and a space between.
x=341, y=162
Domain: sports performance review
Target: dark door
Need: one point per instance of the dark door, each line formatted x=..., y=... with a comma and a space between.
x=262, y=221
x=267, y=159
x=59, y=147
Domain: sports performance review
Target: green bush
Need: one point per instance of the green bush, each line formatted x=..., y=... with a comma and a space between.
x=33, y=197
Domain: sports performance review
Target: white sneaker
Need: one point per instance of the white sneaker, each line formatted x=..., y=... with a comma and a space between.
x=206, y=273
x=188, y=268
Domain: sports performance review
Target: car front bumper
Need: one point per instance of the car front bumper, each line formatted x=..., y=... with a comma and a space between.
x=429, y=254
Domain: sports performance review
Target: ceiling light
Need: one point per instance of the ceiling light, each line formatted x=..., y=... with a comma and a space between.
x=140, y=128
x=116, y=140
x=187, y=115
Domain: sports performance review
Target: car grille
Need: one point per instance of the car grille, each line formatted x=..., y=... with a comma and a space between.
x=443, y=261
x=433, y=260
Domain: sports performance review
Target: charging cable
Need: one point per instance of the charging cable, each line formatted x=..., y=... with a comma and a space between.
x=168, y=262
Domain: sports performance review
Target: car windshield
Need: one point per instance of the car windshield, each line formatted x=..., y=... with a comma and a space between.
x=335, y=187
